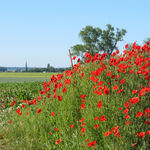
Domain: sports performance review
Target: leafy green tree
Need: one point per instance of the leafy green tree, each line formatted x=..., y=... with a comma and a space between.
x=96, y=40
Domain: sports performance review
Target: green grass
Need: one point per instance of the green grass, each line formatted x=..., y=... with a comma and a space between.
x=25, y=74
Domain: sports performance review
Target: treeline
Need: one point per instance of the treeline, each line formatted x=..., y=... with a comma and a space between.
x=50, y=69
x=3, y=69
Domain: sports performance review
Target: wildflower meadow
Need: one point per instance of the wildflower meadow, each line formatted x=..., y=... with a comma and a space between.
x=100, y=104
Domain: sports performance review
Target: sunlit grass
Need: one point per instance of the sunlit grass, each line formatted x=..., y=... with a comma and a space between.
x=24, y=75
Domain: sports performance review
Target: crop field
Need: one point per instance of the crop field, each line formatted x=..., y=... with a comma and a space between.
x=23, y=77
x=103, y=104
x=20, y=86
x=18, y=92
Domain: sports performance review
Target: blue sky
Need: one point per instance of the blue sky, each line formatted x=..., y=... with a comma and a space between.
x=42, y=31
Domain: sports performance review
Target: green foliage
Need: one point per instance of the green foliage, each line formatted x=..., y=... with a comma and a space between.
x=97, y=40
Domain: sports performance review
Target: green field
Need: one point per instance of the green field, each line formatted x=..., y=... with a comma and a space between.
x=20, y=85
x=23, y=77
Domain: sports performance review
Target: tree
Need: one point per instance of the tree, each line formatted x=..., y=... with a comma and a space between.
x=97, y=40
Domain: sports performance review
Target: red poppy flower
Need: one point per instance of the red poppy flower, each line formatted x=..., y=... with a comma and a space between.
x=60, y=98
x=83, y=124
x=39, y=110
x=72, y=126
x=99, y=104
x=126, y=116
x=127, y=122
x=122, y=81
x=102, y=118
x=139, y=114
x=67, y=81
x=141, y=134
x=120, y=91
x=82, y=106
x=58, y=141
x=147, y=110
x=13, y=103
x=126, y=111
x=10, y=121
x=117, y=76
x=55, y=96
x=106, y=133
x=74, y=57
x=116, y=132
x=115, y=87
x=134, y=92
x=147, y=122
x=127, y=104
x=89, y=144
x=117, y=51
x=113, y=76
x=82, y=120
x=42, y=92
x=131, y=71
x=82, y=74
x=95, y=118
x=142, y=92
x=56, y=129
x=18, y=111
x=109, y=73
x=100, y=83
x=96, y=126
x=83, y=100
x=126, y=46
x=83, y=130
x=78, y=60
x=108, y=83
x=106, y=91
x=134, y=100
x=93, y=143
x=148, y=132
x=64, y=90
x=82, y=96
x=53, y=113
